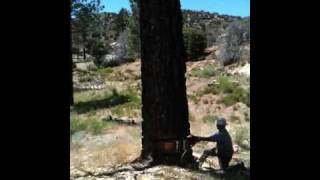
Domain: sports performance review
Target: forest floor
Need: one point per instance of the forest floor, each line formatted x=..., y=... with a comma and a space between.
x=212, y=91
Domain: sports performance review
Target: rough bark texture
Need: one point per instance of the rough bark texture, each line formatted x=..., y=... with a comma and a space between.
x=165, y=108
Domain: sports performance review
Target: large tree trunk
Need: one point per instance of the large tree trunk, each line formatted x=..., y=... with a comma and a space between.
x=165, y=108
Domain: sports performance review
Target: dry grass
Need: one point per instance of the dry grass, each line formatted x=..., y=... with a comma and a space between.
x=124, y=149
x=117, y=153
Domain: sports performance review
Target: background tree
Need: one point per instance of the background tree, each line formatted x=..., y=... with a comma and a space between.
x=84, y=21
x=121, y=21
x=134, y=31
x=195, y=42
x=84, y=17
x=231, y=43
x=164, y=100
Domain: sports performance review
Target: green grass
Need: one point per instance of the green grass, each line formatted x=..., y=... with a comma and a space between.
x=92, y=125
x=191, y=117
x=238, y=95
x=224, y=85
x=84, y=115
x=208, y=90
x=105, y=99
x=209, y=119
x=96, y=127
x=120, y=103
x=91, y=113
x=77, y=124
x=194, y=98
x=231, y=92
x=104, y=71
x=134, y=103
x=85, y=96
x=207, y=72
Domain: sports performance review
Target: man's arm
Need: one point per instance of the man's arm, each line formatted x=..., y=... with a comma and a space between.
x=196, y=139
x=203, y=138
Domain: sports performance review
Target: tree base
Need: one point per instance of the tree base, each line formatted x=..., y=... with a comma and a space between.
x=184, y=159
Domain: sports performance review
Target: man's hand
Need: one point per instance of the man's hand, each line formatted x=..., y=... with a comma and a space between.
x=193, y=140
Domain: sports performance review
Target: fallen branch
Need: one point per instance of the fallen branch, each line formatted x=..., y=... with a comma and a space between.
x=131, y=122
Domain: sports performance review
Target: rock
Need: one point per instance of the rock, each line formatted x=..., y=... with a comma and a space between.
x=236, y=148
x=108, y=118
x=242, y=108
x=85, y=65
x=246, y=144
x=212, y=82
x=77, y=173
x=245, y=70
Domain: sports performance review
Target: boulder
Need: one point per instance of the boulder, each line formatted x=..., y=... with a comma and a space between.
x=85, y=65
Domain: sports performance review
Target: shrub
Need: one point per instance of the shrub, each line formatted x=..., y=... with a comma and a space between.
x=105, y=71
x=85, y=78
x=242, y=133
x=209, y=119
x=194, y=98
x=232, y=92
x=230, y=44
x=205, y=73
x=238, y=95
x=225, y=85
x=194, y=42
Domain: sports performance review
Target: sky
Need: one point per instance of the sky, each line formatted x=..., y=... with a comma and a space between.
x=228, y=7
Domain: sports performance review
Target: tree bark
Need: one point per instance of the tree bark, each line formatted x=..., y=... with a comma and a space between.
x=164, y=100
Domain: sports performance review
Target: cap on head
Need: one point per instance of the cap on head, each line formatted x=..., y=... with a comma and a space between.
x=221, y=122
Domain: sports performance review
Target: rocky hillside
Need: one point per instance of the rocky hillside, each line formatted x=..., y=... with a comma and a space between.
x=212, y=23
x=199, y=19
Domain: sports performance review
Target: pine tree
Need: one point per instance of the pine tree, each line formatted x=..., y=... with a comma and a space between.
x=164, y=100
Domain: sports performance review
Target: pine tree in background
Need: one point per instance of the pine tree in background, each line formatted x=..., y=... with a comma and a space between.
x=85, y=23
x=134, y=31
x=121, y=21
x=195, y=42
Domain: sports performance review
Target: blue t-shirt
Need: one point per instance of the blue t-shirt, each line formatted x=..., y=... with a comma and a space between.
x=224, y=142
x=216, y=137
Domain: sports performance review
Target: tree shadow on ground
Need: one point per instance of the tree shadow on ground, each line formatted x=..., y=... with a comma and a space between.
x=83, y=107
